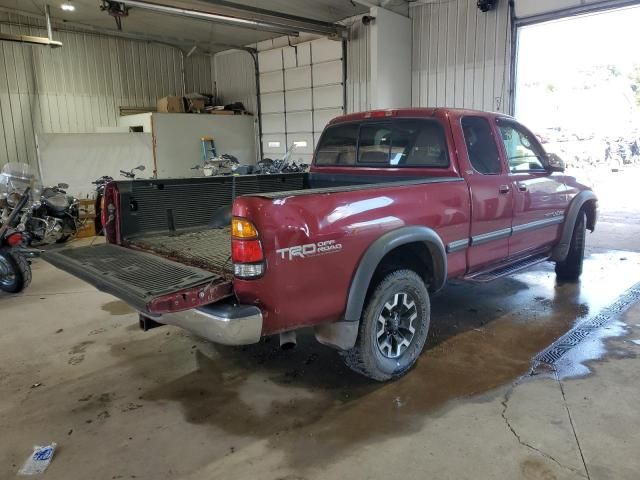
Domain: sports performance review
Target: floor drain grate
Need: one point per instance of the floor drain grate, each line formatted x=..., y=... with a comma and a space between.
x=573, y=337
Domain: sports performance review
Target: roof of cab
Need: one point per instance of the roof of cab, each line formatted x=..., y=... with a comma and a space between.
x=413, y=113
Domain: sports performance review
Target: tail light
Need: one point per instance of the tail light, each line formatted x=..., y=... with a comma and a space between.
x=110, y=210
x=15, y=239
x=246, y=249
x=103, y=213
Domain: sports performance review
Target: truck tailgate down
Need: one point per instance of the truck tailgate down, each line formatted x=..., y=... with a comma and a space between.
x=137, y=278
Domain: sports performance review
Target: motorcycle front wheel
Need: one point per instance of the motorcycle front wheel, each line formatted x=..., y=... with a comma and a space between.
x=15, y=271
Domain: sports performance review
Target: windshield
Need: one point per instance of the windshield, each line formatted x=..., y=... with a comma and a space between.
x=14, y=180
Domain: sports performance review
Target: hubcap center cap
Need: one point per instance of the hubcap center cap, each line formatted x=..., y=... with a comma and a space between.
x=394, y=322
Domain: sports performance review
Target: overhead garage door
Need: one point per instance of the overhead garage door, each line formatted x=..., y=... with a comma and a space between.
x=301, y=89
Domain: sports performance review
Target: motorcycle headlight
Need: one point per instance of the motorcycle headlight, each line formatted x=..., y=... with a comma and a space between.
x=13, y=198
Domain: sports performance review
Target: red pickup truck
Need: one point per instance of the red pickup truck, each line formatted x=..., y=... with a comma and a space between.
x=396, y=203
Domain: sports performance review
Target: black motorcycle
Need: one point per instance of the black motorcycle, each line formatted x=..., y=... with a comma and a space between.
x=15, y=269
x=56, y=218
x=100, y=184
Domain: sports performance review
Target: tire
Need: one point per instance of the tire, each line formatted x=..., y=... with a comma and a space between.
x=570, y=269
x=378, y=353
x=15, y=271
x=63, y=239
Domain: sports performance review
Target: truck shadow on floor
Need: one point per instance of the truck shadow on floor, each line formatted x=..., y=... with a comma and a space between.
x=308, y=404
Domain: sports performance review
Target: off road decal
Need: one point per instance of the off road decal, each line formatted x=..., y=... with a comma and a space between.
x=309, y=250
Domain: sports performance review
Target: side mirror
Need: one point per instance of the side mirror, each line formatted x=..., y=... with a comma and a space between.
x=142, y=168
x=555, y=163
x=64, y=186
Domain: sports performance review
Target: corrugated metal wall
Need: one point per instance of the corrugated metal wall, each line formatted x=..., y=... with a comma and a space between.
x=358, y=67
x=236, y=78
x=80, y=86
x=461, y=56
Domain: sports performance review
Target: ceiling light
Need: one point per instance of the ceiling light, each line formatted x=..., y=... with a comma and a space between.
x=68, y=7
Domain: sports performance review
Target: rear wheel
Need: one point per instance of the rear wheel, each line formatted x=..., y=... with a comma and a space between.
x=393, y=327
x=570, y=269
x=15, y=271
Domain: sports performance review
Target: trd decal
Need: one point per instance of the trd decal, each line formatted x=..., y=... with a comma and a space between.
x=309, y=250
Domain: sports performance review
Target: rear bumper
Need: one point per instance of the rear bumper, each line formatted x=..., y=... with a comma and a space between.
x=219, y=323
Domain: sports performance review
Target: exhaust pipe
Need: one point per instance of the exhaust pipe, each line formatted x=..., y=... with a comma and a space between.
x=288, y=340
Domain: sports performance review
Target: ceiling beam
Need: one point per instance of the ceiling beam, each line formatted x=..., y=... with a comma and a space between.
x=10, y=37
x=221, y=11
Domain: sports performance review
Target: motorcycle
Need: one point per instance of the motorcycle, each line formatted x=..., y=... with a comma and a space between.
x=281, y=165
x=55, y=219
x=18, y=183
x=225, y=164
x=100, y=184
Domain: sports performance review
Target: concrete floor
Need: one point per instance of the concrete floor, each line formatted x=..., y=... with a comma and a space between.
x=121, y=403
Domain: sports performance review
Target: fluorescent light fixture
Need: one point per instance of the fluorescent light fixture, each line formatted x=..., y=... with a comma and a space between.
x=68, y=7
x=274, y=144
x=300, y=144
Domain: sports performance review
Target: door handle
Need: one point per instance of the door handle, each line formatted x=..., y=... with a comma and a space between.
x=522, y=187
x=504, y=189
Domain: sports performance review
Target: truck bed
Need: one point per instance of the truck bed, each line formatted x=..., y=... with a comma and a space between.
x=208, y=249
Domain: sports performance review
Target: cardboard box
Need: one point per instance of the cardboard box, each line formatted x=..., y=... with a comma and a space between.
x=171, y=105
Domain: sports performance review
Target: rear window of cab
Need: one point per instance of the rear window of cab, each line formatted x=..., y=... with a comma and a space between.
x=395, y=144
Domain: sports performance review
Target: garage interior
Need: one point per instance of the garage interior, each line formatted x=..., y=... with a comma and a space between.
x=521, y=378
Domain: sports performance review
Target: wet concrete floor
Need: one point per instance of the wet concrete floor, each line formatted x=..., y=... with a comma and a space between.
x=122, y=403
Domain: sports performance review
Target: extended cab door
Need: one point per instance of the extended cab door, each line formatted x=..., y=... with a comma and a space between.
x=540, y=197
x=490, y=188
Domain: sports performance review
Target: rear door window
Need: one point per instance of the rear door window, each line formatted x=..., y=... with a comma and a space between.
x=481, y=145
x=338, y=145
x=418, y=143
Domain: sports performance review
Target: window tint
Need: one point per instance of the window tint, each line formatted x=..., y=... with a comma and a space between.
x=375, y=142
x=523, y=153
x=417, y=143
x=338, y=145
x=481, y=146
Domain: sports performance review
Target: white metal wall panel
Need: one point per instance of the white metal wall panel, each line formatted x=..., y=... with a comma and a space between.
x=290, y=57
x=299, y=77
x=79, y=87
x=358, y=67
x=273, y=123
x=300, y=122
x=324, y=116
x=328, y=97
x=270, y=60
x=271, y=82
x=302, y=141
x=274, y=144
x=461, y=56
x=236, y=79
x=327, y=73
x=272, y=102
x=297, y=100
x=303, y=54
x=325, y=50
